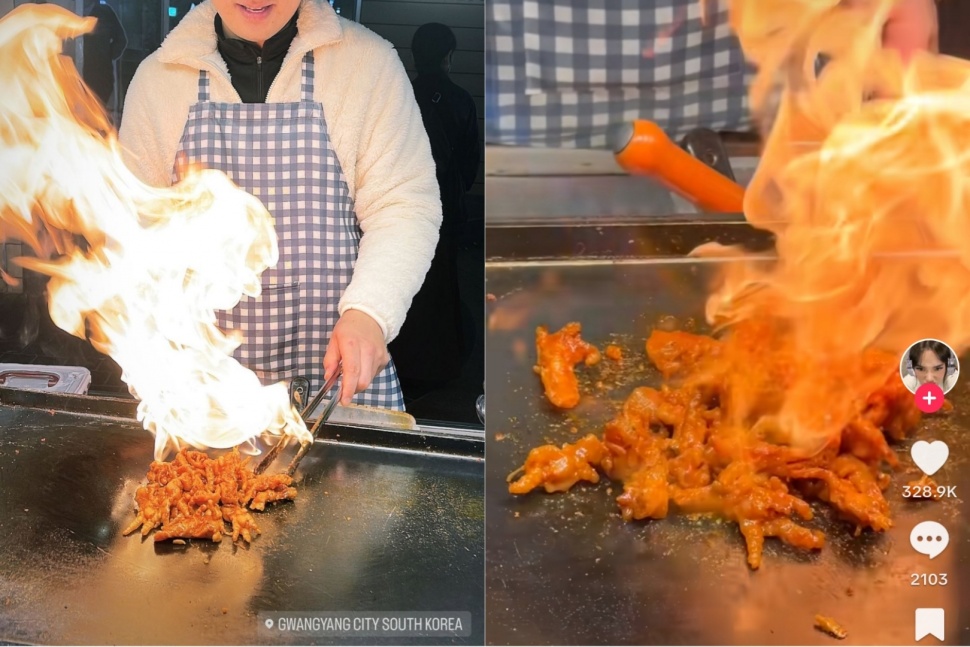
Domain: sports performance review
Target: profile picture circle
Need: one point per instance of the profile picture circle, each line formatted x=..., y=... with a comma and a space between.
x=929, y=361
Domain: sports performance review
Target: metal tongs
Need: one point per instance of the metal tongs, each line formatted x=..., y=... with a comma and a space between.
x=314, y=430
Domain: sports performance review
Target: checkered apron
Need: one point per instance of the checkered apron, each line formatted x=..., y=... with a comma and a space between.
x=281, y=153
x=561, y=72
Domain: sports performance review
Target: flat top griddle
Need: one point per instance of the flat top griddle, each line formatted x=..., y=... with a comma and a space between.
x=565, y=569
x=374, y=528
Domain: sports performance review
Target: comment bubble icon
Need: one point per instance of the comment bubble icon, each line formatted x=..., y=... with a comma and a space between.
x=929, y=538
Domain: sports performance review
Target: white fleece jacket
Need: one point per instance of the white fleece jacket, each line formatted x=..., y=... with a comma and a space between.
x=373, y=121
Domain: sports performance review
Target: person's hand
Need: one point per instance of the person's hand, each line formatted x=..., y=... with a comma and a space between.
x=358, y=342
x=913, y=26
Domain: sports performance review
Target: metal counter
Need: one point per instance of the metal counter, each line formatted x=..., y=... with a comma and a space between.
x=565, y=569
x=382, y=522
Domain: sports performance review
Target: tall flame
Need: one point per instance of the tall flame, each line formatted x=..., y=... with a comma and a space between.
x=138, y=271
x=865, y=180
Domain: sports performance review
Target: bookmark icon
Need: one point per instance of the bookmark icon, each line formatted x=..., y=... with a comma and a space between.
x=929, y=622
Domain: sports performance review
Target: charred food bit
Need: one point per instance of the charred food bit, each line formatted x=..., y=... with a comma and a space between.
x=830, y=626
x=198, y=497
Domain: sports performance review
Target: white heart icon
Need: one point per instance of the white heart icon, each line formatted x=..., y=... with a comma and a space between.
x=930, y=457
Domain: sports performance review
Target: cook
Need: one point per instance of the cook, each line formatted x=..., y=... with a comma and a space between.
x=552, y=82
x=314, y=115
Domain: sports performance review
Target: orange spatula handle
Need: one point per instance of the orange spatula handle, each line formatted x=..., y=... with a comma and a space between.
x=642, y=148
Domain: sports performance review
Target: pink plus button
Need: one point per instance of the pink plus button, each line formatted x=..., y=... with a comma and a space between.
x=929, y=398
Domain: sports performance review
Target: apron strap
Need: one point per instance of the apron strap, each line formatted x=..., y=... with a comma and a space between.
x=306, y=83
x=203, y=86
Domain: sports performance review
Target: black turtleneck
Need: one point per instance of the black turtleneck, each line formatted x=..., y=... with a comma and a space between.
x=251, y=68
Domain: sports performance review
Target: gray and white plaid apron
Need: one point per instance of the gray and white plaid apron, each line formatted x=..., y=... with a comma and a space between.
x=561, y=72
x=281, y=153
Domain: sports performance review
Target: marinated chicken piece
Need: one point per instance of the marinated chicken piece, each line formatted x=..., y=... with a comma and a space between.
x=637, y=455
x=194, y=527
x=691, y=467
x=243, y=524
x=558, y=469
x=864, y=440
x=891, y=407
x=268, y=488
x=760, y=504
x=558, y=353
x=614, y=353
x=676, y=353
x=767, y=457
x=645, y=494
x=195, y=496
x=741, y=492
x=748, y=382
x=852, y=489
x=629, y=437
x=830, y=626
x=788, y=531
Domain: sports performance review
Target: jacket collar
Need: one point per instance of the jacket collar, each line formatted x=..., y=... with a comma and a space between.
x=243, y=51
x=193, y=42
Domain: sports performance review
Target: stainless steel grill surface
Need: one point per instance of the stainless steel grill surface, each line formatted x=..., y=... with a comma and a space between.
x=382, y=522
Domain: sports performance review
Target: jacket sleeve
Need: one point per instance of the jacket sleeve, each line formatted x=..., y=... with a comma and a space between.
x=140, y=134
x=397, y=201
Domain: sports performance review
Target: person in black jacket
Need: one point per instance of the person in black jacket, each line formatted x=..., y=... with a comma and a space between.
x=432, y=346
x=450, y=118
x=102, y=48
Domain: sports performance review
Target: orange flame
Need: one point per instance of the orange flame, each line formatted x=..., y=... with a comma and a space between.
x=138, y=271
x=865, y=181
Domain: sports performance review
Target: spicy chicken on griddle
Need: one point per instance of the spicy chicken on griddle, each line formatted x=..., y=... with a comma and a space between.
x=705, y=442
x=198, y=497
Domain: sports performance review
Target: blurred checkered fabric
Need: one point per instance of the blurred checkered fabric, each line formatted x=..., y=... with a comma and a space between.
x=559, y=73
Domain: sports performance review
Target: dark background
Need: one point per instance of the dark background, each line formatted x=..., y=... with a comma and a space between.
x=955, y=27
x=27, y=335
